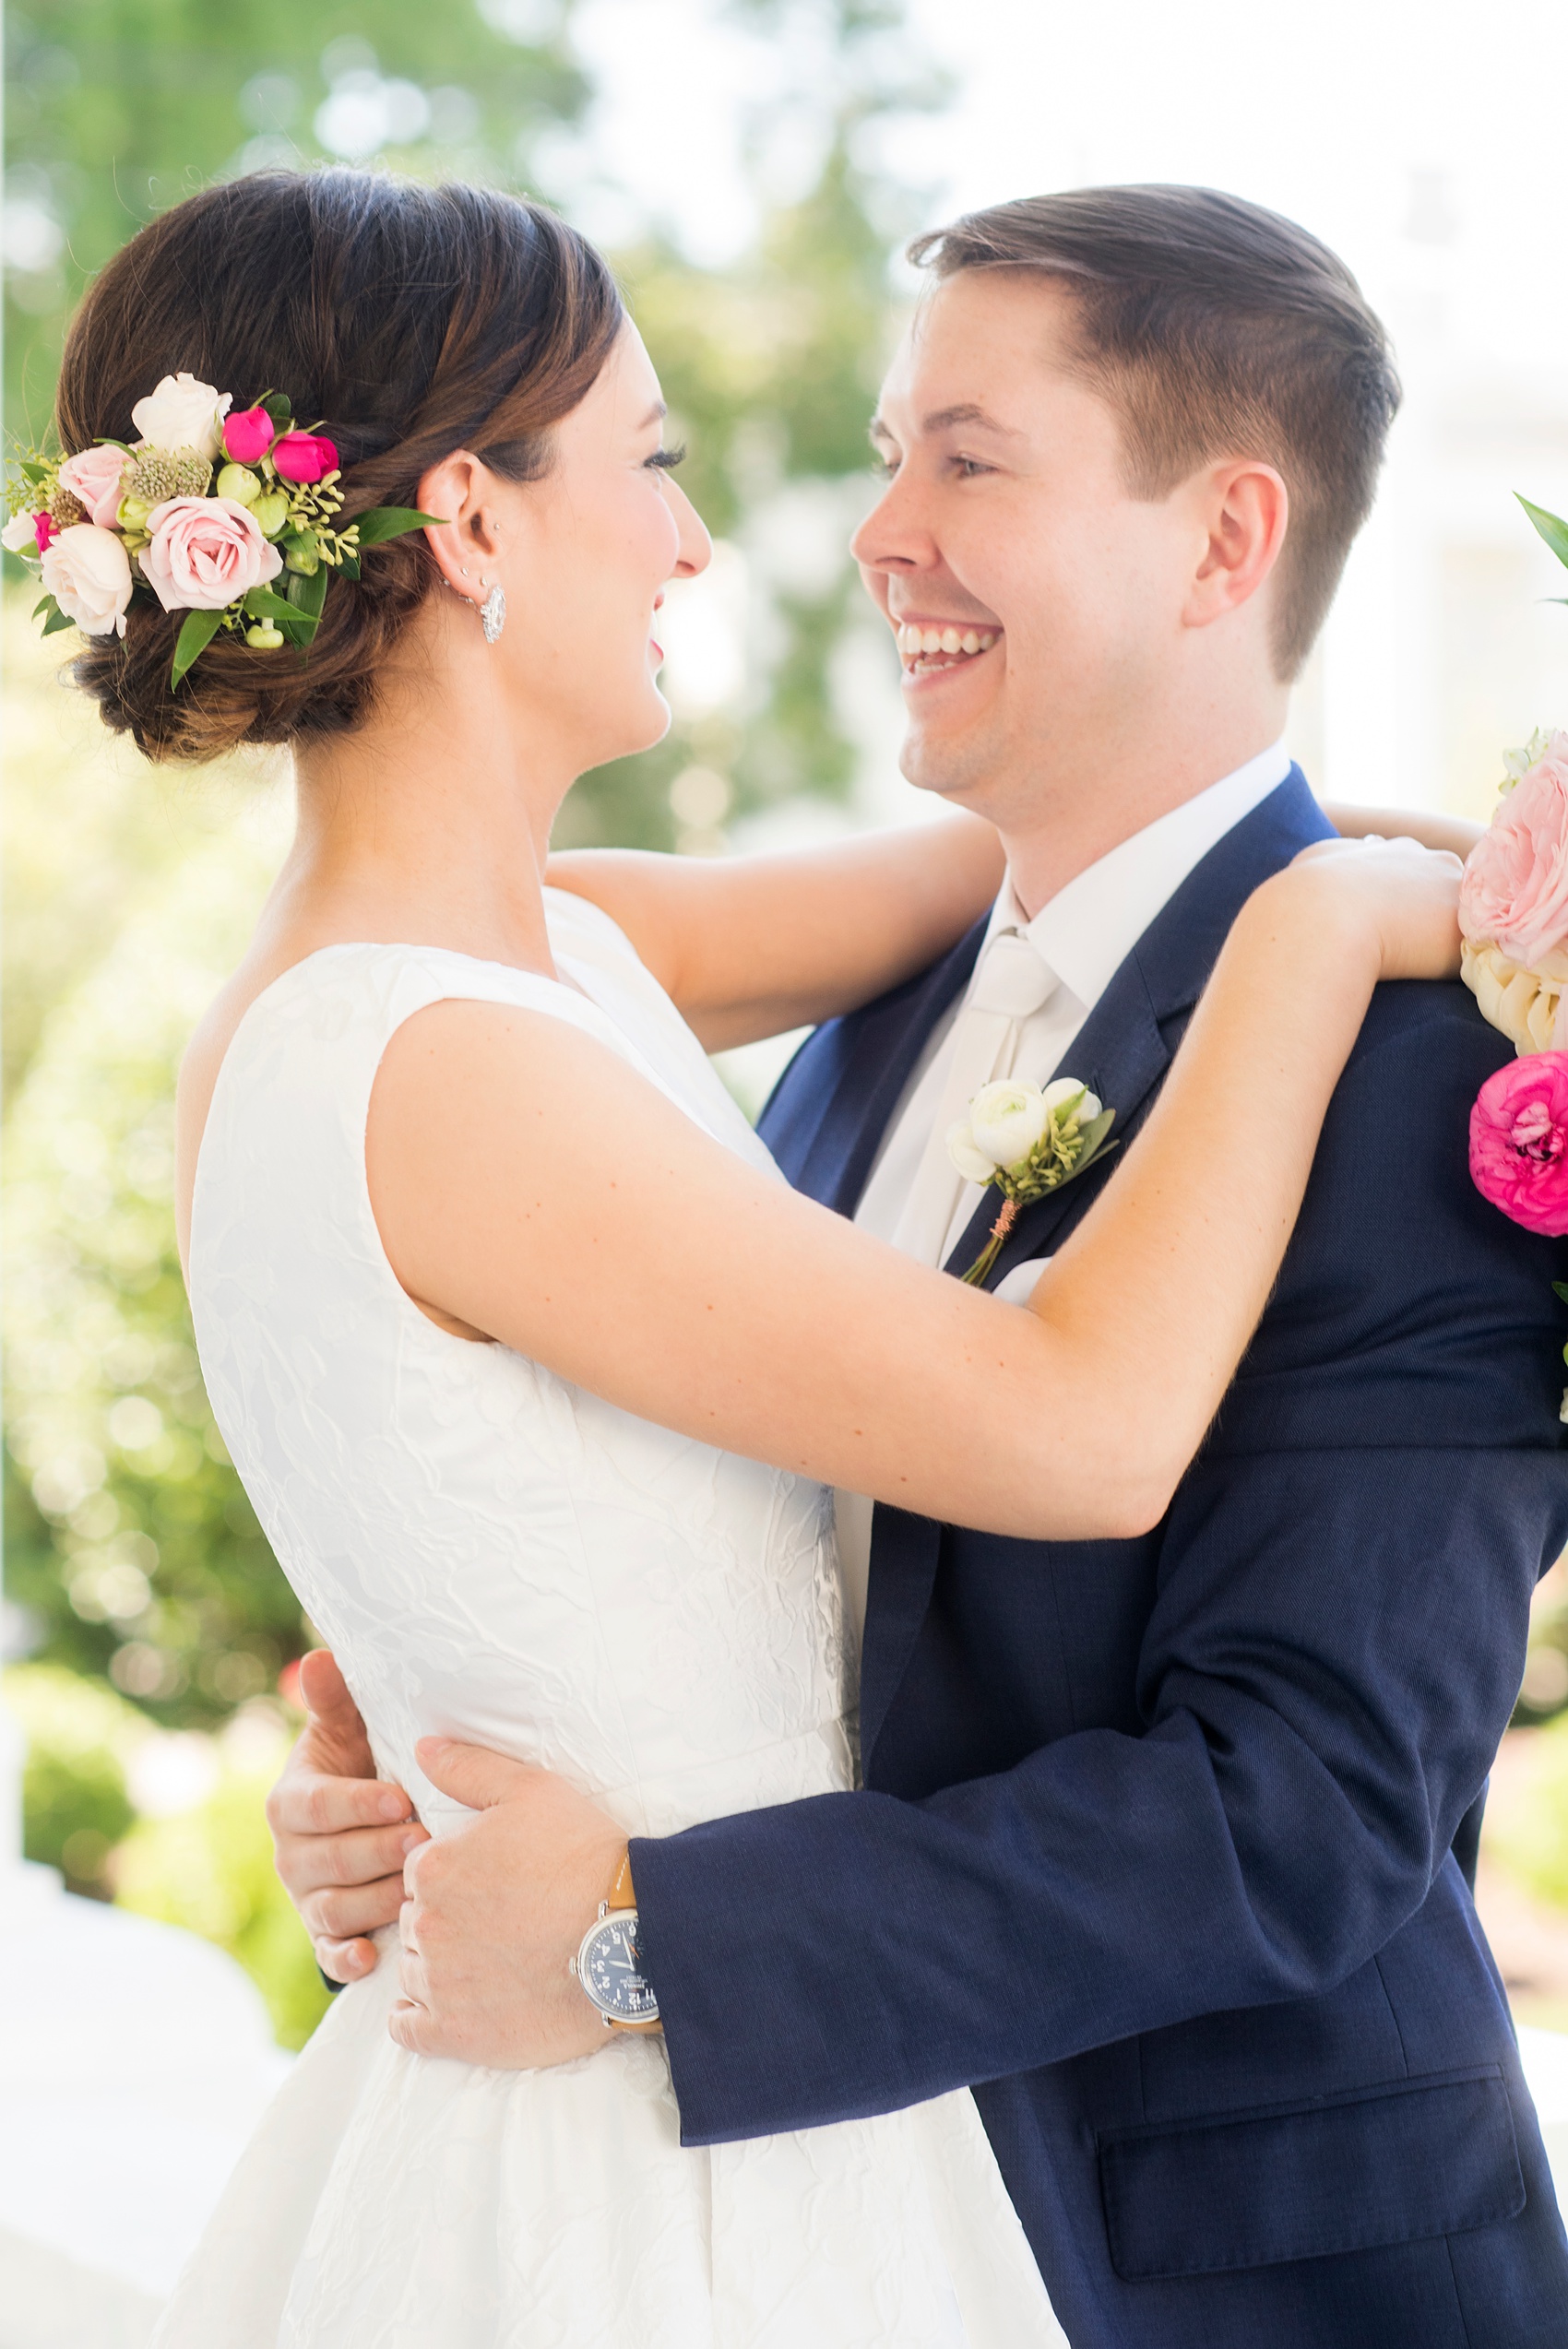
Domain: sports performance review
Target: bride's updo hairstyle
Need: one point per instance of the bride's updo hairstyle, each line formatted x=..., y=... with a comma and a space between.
x=408, y=321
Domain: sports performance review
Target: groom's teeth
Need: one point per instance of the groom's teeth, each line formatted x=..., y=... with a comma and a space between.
x=922, y=643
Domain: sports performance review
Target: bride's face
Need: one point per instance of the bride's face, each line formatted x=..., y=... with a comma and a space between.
x=592, y=547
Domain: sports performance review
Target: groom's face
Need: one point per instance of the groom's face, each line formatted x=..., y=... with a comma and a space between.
x=1008, y=527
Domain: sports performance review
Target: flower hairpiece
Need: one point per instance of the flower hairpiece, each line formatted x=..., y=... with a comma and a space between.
x=148, y=518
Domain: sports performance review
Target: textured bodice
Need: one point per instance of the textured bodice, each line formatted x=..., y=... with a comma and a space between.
x=493, y=1552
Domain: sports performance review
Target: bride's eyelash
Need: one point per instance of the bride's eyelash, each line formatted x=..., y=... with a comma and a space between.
x=664, y=460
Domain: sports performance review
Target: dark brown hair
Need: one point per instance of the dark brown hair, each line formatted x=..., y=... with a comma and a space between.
x=1214, y=328
x=410, y=321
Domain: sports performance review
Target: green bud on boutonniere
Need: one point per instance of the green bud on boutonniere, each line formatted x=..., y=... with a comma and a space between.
x=1027, y=1140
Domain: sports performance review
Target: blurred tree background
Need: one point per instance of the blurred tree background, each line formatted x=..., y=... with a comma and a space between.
x=150, y=1629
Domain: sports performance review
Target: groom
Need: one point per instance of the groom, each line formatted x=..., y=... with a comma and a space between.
x=1162, y=1844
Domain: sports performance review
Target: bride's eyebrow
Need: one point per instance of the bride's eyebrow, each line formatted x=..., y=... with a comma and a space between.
x=656, y=415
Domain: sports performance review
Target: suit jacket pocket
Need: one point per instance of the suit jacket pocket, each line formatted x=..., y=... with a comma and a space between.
x=1433, y=2156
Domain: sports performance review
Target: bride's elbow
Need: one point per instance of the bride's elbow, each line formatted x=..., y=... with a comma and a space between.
x=1121, y=1505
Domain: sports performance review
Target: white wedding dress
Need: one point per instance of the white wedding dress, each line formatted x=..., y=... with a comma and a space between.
x=497, y=1555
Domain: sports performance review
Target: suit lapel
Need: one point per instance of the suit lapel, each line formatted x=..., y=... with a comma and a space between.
x=830, y=1108
x=1121, y=1051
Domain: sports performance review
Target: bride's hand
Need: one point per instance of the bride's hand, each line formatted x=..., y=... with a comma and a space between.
x=1393, y=898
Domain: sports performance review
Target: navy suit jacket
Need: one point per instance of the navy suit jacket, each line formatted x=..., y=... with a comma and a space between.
x=1156, y=1845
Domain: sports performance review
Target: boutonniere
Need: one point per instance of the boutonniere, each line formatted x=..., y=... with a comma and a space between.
x=1027, y=1140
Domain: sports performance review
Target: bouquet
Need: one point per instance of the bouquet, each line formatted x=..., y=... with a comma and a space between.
x=147, y=518
x=1514, y=931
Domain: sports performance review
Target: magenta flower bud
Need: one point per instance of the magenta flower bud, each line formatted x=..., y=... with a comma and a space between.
x=304, y=457
x=248, y=436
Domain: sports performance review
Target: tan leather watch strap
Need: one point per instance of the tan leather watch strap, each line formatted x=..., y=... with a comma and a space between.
x=622, y=1897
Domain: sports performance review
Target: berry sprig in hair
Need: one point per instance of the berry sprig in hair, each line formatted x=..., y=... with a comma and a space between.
x=147, y=519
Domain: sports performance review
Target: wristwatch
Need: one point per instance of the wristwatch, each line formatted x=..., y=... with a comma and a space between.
x=608, y=1965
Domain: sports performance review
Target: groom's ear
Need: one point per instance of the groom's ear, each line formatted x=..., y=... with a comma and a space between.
x=1242, y=512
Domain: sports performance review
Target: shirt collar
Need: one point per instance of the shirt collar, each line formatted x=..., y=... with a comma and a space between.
x=1088, y=928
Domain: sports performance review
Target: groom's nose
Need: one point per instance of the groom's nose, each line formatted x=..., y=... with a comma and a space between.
x=897, y=536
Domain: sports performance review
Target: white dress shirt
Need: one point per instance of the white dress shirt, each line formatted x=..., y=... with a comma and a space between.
x=1079, y=938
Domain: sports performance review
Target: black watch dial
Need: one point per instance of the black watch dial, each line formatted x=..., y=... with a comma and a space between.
x=612, y=1972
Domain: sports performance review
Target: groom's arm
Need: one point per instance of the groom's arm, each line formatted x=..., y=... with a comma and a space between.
x=1344, y=1584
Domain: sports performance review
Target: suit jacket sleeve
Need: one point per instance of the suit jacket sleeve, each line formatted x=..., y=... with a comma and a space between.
x=1337, y=1644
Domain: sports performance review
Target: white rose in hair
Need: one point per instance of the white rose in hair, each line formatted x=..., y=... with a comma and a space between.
x=204, y=552
x=94, y=477
x=20, y=534
x=183, y=413
x=87, y=573
x=1007, y=1119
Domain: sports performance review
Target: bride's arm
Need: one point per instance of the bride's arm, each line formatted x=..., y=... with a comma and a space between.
x=1453, y=833
x=530, y=1186
x=749, y=946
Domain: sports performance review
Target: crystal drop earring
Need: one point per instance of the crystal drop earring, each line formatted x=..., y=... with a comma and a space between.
x=492, y=610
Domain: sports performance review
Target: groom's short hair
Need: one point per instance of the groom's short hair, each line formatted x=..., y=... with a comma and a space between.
x=1214, y=328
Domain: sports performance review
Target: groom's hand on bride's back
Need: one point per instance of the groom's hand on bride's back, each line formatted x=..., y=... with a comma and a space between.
x=496, y=1912
x=340, y=1835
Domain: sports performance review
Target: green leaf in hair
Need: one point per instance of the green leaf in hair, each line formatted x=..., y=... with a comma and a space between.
x=383, y=522
x=195, y=635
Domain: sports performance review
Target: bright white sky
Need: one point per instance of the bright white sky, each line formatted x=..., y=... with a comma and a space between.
x=1365, y=119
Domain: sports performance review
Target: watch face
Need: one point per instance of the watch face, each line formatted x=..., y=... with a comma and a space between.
x=611, y=1973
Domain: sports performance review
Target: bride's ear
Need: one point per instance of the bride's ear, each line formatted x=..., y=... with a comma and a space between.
x=462, y=488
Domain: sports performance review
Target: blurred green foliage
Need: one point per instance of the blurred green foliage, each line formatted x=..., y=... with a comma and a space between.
x=210, y=1869
x=207, y=1867
x=116, y=108
x=75, y=1802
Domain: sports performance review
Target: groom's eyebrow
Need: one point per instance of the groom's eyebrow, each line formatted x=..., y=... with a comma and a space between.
x=941, y=420
x=967, y=412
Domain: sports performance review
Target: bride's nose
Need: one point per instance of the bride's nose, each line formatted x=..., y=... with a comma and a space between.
x=695, y=546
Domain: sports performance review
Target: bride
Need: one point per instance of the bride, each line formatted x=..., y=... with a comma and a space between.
x=535, y=1369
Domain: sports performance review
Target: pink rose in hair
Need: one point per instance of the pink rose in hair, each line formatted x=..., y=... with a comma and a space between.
x=93, y=477
x=1515, y=884
x=204, y=552
x=248, y=436
x=1519, y=1141
x=304, y=457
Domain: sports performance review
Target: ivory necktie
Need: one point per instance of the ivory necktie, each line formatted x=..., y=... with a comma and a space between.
x=1011, y=981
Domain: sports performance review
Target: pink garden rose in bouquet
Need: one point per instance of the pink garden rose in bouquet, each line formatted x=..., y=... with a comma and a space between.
x=1519, y=1141
x=1516, y=886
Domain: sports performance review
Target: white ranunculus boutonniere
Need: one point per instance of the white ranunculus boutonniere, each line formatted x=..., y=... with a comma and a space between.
x=1027, y=1140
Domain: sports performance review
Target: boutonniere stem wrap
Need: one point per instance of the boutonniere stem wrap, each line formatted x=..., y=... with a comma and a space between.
x=201, y=515
x=1026, y=1141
